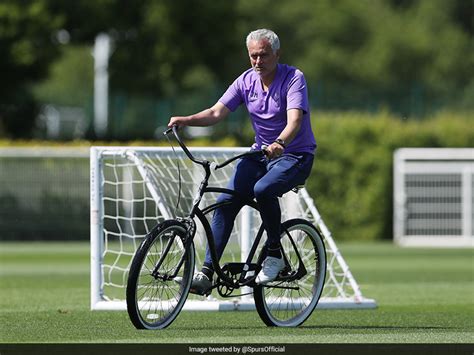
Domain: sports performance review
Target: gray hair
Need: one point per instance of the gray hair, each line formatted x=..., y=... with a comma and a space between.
x=263, y=33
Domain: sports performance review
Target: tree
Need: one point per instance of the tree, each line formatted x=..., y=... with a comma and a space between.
x=386, y=48
x=27, y=47
x=163, y=48
x=160, y=47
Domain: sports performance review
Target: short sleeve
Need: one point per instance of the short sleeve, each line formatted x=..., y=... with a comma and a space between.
x=297, y=96
x=232, y=98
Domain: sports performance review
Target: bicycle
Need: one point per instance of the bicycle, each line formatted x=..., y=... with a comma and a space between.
x=162, y=268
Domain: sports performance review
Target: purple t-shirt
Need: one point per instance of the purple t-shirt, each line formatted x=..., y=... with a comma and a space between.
x=267, y=109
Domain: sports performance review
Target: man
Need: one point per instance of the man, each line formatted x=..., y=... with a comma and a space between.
x=277, y=101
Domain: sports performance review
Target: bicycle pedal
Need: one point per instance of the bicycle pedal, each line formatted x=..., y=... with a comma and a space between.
x=204, y=294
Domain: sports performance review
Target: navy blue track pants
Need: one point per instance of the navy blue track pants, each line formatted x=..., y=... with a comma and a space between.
x=265, y=181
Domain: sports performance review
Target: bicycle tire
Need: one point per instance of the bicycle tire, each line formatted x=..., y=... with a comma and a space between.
x=290, y=303
x=153, y=302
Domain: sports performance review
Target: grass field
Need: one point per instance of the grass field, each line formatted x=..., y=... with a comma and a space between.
x=423, y=296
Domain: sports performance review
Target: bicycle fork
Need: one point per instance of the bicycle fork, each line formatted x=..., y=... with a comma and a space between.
x=190, y=230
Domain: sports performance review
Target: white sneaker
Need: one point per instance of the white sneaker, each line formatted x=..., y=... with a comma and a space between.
x=201, y=285
x=270, y=269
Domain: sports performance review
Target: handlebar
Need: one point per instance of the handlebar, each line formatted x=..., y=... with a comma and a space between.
x=174, y=129
x=205, y=163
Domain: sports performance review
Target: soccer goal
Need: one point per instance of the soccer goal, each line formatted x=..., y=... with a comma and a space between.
x=134, y=188
x=434, y=197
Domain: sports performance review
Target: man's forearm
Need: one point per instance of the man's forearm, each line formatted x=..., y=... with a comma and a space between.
x=207, y=117
x=292, y=127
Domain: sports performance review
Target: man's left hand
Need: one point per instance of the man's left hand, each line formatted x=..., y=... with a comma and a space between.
x=274, y=150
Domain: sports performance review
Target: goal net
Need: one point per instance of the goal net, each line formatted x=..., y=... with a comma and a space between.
x=134, y=188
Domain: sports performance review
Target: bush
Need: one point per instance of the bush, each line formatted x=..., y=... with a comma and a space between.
x=352, y=180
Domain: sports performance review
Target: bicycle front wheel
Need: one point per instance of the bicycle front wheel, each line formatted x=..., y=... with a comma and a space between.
x=160, y=277
x=288, y=303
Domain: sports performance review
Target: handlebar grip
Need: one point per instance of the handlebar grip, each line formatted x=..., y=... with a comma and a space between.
x=264, y=149
x=173, y=128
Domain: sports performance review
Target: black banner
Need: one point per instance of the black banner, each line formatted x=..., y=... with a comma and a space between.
x=241, y=349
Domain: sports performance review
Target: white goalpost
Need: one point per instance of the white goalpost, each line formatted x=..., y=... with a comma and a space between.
x=134, y=188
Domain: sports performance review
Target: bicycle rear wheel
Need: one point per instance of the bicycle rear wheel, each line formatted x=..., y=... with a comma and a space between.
x=160, y=277
x=289, y=303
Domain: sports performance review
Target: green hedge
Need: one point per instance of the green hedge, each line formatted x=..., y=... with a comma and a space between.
x=352, y=179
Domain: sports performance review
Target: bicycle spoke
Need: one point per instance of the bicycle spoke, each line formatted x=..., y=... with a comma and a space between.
x=289, y=303
x=155, y=299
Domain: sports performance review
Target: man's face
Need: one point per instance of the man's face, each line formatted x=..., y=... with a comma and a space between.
x=262, y=58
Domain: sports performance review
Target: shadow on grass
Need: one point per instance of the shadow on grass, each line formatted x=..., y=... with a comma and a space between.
x=260, y=326
x=380, y=327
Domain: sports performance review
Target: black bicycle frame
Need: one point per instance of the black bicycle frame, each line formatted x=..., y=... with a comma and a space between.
x=201, y=215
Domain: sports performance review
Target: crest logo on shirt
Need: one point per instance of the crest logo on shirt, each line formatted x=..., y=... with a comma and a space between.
x=253, y=96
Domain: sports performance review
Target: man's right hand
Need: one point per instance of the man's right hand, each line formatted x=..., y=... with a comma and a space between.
x=177, y=121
